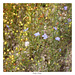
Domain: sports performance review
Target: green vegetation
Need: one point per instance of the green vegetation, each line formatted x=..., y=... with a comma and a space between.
x=37, y=37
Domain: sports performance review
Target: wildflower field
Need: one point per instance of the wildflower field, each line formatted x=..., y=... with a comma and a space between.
x=37, y=37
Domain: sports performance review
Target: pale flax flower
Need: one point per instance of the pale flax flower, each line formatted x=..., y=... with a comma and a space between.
x=37, y=34
x=45, y=36
x=57, y=38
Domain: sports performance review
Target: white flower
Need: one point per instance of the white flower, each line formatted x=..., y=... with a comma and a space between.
x=9, y=36
x=10, y=53
x=26, y=43
x=45, y=27
x=16, y=54
x=24, y=51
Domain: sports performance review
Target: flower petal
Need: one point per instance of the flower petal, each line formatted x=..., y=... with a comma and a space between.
x=65, y=7
x=26, y=43
x=37, y=34
x=55, y=28
x=25, y=29
x=45, y=36
x=57, y=38
x=7, y=26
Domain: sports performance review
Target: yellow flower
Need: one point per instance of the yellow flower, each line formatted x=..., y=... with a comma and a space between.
x=11, y=20
x=12, y=61
x=21, y=39
x=24, y=27
x=14, y=14
x=4, y=53
x=5, y=33
x=5, y=43
x=12, y=51
x=23, y=34
x=13, y=7
x=27, y=22
x=6, y=17
x=31, y=8
x=23, y=69
x=4, y=48
x=8, y=33
x=46, y=18
x=12, y=56
x=13, y=66
x=7, y=22
x=21, y=24
x=18, y=69
x=26, y=34
x=61, y=36
x=3, y=58
x=46, y=8
x=18, y=52
x=57, y=64
x=26, y=39
x=4, y=20
x=20, y=63
x=6, y=63
x=38, y=61
x=3, y=13
x=18, y=16
x=57, y=28
x=49, y=9
x=46, y=5
x=55, y=6
x=32, y=59
x=7, y=58
x=8, y=50
x=69, y=25
x=21, y=31
x=12, y=31
x=16, y=30
x=16, y=48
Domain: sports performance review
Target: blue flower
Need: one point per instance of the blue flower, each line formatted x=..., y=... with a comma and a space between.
x=69, y=20
x=45, y=36
x=7, y=26
x=65, y=7
x=55, y=28
x=57, y=38
x=37, y=34
x=59, y=50
x=25, y=29
x=66, y=23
